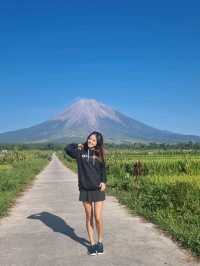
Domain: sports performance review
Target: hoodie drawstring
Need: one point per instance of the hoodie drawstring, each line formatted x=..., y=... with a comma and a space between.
x=93, y=161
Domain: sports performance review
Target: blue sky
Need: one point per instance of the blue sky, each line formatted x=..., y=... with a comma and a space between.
x=139, y=57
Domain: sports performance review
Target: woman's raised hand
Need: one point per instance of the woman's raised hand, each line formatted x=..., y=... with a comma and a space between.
x=80, y=146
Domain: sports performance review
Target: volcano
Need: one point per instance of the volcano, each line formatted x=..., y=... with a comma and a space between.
x=86, y=115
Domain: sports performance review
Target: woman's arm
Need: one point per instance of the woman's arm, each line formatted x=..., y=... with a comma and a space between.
x=102, y=185
x=72, y=150
x=103, y=173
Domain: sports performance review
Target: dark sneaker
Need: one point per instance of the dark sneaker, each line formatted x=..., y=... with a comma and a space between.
x=99, y=248
x=92, y=250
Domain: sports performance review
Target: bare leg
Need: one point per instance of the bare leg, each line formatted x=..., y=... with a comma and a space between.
x=89, y=220
x=99, y=219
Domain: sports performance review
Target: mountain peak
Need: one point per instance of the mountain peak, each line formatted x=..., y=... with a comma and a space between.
x=89, y=110
x=85, y=115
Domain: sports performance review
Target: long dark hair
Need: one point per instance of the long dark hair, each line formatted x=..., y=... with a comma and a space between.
x=99, y=149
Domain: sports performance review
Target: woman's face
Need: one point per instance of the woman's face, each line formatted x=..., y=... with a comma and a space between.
x=92, y=141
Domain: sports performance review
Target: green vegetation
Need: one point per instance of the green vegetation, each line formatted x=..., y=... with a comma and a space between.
x=167, y=192
x=17, y=169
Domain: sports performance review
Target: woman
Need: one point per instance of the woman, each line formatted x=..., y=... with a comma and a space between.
x=90, y=157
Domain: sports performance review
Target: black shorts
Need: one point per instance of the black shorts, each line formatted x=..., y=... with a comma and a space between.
x=91, y=195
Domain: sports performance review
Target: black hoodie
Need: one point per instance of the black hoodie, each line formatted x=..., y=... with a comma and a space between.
x=91, y=171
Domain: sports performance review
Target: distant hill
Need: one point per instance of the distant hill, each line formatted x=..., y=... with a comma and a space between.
x=86, y=115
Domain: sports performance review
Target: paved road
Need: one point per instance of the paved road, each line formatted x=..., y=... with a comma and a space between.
x=47, y=227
